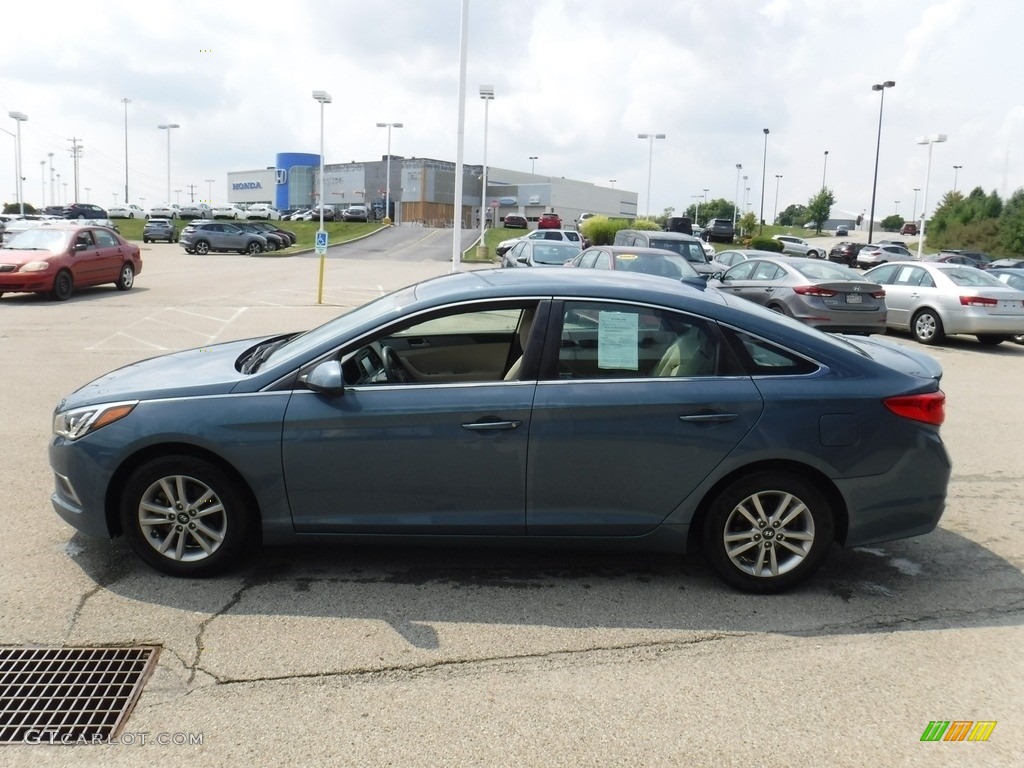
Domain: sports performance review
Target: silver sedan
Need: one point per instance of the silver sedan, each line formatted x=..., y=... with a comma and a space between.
x=819, y=293
x=936, y=299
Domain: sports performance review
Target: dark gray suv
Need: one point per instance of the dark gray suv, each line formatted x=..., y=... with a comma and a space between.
x=207, y=236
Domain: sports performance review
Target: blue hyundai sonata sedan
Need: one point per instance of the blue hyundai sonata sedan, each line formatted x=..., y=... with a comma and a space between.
x=575, y=407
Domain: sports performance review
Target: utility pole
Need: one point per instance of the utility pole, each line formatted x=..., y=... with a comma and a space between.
x=191, y=193
x=76, y=152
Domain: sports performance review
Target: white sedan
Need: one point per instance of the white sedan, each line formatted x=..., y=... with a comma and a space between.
x=165, y=211
x=262, y=211
x=228, y=211
x=130, y=211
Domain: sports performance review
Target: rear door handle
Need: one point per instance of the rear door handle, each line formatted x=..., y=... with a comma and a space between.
x=483, y=426
x=710, y=418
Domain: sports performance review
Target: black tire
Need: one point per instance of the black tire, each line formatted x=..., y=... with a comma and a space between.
x=253, y=248
x=189, y=508
x=768, y=532
x=991, y=339
x=145, y=240
x=271, y=246
x=926, y=327
x=127, y=277
x=813, y=255
x=131, y=215
x=63, y=286
x=201, y=247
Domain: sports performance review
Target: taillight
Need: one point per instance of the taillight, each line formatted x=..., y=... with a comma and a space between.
x=813, y=290
x=929, y=407
x=978, y=301
x=878, y=295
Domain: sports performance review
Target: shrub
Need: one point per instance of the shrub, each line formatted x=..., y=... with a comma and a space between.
x=600, y=230
x=765, y=244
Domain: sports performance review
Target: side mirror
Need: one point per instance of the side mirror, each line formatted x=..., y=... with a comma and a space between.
x=523, y=260
x=326, y=378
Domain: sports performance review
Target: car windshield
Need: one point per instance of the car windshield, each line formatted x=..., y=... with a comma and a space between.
x=40, y=239
x=555, y=253
x=692, y=252
x=971, y=276
x=655, y=264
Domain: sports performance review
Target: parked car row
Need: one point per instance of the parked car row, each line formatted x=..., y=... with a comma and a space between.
x=252, y=237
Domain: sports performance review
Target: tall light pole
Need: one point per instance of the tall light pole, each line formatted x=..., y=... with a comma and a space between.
x=823, y=169
x=956, y=173
x=42, y=183
x=19, y=118
x=880, y=87
x=387, y=184
x=736, y=199
x=209, y=190
x=126, y=102
x=324, y=98
x=61, y=201
x=53, y=200
x=913, y=213
x=705, y=204
x=746, y=193
x=764, y=165
x=775, y=217
x=935, y=138
x=696, y=209
x=612, y=182
x=897, y=211
x=533, y=163
x=650, y=163
x=487, y=95
x=167, y=127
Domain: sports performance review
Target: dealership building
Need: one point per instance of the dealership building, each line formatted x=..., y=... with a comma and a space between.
x=423, y=190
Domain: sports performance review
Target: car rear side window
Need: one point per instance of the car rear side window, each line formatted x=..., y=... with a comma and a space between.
x=763, y=358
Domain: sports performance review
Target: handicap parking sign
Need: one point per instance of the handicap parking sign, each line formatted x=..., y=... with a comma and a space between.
x=321, y=242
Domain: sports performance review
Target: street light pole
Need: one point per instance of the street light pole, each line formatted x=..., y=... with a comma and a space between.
x=736, y=198
x=126, y=102
x=487, y=96
x=705, y=205
x=650, y=163
x=913, y=213
x=166, y=127
x=935, y=138
x=387, y=183
x=533, y=163
x=324, y=98
x=775, y=217
x=42, y=182
x=956, y=173
x=764, y=165
x=49, y=156
x=823, y=169
x=209, y=190
x=897, y=211
x=880, y=87
x=19, y=118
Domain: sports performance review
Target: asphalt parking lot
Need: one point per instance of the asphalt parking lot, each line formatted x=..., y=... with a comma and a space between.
x=370, y=656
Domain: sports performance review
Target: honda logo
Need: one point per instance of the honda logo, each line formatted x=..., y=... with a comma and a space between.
x=282, y=175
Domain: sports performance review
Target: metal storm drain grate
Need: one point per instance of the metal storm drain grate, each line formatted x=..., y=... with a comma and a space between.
x=69, y=695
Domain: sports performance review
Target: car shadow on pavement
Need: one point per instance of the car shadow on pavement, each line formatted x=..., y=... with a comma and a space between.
x=940, y=579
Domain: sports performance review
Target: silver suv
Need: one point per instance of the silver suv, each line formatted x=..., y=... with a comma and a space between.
x=206, y=236
x=797, y=246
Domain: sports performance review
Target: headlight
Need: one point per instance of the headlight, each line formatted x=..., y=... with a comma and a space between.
x=79, y=422
x=35, y=266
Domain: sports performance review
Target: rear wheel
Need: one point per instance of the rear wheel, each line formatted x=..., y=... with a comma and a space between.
x=63, y=285
x=813, y=255
x=768, y=532
x=202, y=247
x=991, y=339
x=127, y=277
x=185, y=516
x=253, y=248
x=927, y=327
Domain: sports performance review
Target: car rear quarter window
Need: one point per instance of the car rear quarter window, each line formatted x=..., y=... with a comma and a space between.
x=763, y=358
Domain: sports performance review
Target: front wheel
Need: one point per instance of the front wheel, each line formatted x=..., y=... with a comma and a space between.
x=768, y=532
x=185, y=516
x=813, y=255
x=127, y=277
x=253, y=248
x=927, y=327
x=63, y=285
x=202, y=248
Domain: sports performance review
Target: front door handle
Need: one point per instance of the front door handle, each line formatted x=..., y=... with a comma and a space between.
x=710, y=418
x=483, y=426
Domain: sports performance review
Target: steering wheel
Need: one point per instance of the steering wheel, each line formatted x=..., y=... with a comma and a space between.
x=394, y=371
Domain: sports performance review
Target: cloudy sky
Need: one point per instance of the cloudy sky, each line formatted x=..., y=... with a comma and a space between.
x=575, y=82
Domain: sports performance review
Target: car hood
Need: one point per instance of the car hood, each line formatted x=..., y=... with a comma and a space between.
x=903, y=359
x=192, y=373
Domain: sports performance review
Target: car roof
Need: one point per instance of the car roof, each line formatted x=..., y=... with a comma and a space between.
x=638, y=250
x=663, y=235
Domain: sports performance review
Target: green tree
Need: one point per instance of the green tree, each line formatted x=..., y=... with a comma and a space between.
x=794, y=215
x=819, y=208
x=748, y=223
x=892, y=223
x=1011, y=224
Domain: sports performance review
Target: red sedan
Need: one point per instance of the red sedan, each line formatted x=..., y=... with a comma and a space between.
x=58, y=258
x=549, y=221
